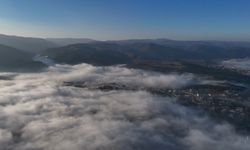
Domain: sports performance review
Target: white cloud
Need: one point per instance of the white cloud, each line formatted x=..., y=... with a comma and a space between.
x=37, y=112
x=84, y=72
x=241, y=64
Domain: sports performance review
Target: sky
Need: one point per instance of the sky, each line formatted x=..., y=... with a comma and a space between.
x=127, y=19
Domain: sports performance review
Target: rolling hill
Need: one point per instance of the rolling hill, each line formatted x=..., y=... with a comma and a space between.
x=97, y=53
x=12, y=59
x=69, y=41
x=108, y=53
x=28, y=44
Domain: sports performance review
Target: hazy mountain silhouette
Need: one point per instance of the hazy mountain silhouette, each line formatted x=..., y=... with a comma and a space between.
x=187, y=44
x=29, y=44
x=69, y=41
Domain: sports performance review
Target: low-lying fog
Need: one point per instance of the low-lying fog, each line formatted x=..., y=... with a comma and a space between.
x=38, y=112
x=241, y=64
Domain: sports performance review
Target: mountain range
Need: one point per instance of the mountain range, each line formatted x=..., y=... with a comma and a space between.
x=108, y=53
x=35, y=45
x=83, y=50
x=69, y=41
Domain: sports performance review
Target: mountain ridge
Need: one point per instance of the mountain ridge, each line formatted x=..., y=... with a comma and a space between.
x=28, y=44
x=93, y=52
x=12, y=59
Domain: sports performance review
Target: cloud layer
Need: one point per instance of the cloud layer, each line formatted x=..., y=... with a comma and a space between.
x=241, y=64
x=38, y=113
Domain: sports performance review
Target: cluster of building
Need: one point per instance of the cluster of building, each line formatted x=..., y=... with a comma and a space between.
x=227, y=104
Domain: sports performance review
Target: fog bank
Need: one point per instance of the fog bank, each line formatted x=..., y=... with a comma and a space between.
x=38, y=113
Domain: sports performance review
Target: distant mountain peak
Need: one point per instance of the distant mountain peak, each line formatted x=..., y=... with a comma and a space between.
x=69, y=41
x=29, y=44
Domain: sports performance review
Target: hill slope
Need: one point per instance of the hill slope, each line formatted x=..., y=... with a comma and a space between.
x=29, y=44
x=69, y=41
x=106, y=53
x=12, y=59
x=98, y=54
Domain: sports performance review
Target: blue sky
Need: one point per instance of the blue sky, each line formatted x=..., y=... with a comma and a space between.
x=125, y=19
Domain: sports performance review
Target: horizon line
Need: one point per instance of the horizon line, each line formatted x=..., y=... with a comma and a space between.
x=125, y=39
